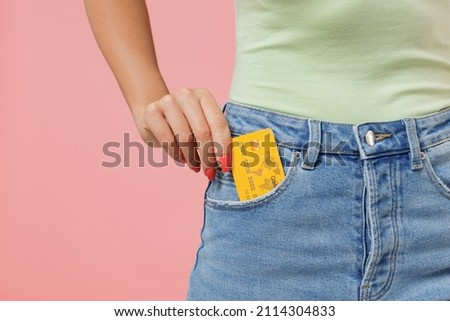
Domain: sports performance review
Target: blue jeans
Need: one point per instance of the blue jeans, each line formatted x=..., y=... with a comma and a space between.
x=363, y=213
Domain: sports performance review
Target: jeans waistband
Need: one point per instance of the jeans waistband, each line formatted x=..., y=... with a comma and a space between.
x=368, y=140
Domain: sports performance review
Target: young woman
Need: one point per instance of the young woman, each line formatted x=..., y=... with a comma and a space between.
x=357, y=95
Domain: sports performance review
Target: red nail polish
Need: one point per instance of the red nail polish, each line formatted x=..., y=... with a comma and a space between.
x=196, y=169
x=225, y=163
x=210, y=173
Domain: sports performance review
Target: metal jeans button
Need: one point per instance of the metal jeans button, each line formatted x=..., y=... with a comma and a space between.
x=370, y=138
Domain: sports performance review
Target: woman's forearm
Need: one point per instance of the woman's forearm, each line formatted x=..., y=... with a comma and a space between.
x=122, y=30
x=185, y=122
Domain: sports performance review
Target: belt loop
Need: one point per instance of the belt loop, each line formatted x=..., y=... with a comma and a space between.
x=414, y=145
x=313, y=145
x=224, y=107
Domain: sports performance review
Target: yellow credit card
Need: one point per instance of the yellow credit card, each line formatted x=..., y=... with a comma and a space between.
x=256, y=165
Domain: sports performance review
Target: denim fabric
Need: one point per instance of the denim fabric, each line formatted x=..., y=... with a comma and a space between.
x=363, y=213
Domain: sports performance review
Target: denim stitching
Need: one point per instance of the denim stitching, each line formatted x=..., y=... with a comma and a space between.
x=445, y=140
x=201, y=239
x=297, y=147
x=236, y=205
x=441, y=186
x=236, y=104
x=364, y=225
x=392, y=264
x=372, y=266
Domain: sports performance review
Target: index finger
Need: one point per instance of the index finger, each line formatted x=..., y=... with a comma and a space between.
x=220, y=131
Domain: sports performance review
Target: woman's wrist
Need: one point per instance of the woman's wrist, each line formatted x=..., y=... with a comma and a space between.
x=143, y=95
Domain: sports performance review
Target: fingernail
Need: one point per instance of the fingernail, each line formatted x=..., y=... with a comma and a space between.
x=225, y=163
x=210, y=173
x=196, y=169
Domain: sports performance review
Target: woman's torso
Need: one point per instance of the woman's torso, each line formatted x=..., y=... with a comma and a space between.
x=346, y=61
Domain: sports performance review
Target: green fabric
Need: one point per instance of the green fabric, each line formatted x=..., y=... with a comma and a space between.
x=346, y=61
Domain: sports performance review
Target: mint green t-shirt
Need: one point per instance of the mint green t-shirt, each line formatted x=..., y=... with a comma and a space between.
x=347, y=61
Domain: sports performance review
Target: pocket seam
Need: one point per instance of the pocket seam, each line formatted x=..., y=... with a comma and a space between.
x=441, y=186
x=234, y=205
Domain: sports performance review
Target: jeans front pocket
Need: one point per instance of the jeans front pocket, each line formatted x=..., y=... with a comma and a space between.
x=222, y=193
x=437, y=163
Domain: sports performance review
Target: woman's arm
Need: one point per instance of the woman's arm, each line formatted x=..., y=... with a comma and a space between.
x=179, y=121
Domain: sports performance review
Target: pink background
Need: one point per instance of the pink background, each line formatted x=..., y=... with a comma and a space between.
x=71, y=229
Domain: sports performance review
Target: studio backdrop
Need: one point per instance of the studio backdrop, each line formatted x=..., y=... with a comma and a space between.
x=74, y=223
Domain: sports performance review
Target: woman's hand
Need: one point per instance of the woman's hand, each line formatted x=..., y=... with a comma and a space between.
x=187, y=123
x=191, y=127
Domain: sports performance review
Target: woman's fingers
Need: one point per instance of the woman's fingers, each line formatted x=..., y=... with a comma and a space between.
x=191, y=127
x=190, y=105
x=156, y=126
x=220, y=131
x=182, y=133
